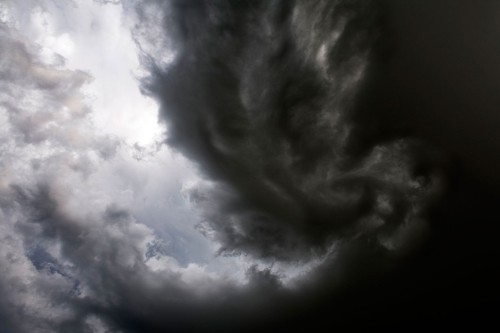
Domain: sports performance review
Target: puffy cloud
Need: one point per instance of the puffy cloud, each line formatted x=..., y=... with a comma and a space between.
x=73, y=258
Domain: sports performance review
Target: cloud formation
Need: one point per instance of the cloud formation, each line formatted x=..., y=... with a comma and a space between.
x=310, y=191
x=75, y=257
x=267, y=98
x=72, y=258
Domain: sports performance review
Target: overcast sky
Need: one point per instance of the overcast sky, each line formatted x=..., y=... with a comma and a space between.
x=220, y=165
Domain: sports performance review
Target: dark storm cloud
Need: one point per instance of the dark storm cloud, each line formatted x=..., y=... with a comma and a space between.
x=267, y=97
x=273, y=100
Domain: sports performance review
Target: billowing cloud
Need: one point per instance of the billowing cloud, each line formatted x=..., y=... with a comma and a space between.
x=282, y=195
x=74, y=257
x=267, y=98
x=84, y=248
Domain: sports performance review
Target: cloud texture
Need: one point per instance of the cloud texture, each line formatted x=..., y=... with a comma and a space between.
x=315, y=196
x=72, y=257
x=267, y=98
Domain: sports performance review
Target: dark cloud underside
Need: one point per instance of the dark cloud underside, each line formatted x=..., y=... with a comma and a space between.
x=267, y=98
x=312, y=131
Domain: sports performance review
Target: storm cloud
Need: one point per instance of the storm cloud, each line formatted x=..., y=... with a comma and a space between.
x=75, y=257
x=267, y=98
x=304, y=172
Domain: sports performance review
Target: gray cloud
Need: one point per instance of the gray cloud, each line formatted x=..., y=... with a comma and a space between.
x=97, y=268
x=310, y=121
x=72, y=258
x=267, y=99
x=319, y=191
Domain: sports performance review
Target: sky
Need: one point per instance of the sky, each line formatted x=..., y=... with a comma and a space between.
x=208, y=166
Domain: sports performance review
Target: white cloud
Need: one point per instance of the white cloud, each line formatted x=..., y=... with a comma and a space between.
x=79, y=158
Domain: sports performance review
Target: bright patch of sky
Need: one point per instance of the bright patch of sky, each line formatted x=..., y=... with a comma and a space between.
x=96, y=38
x=143, y=176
